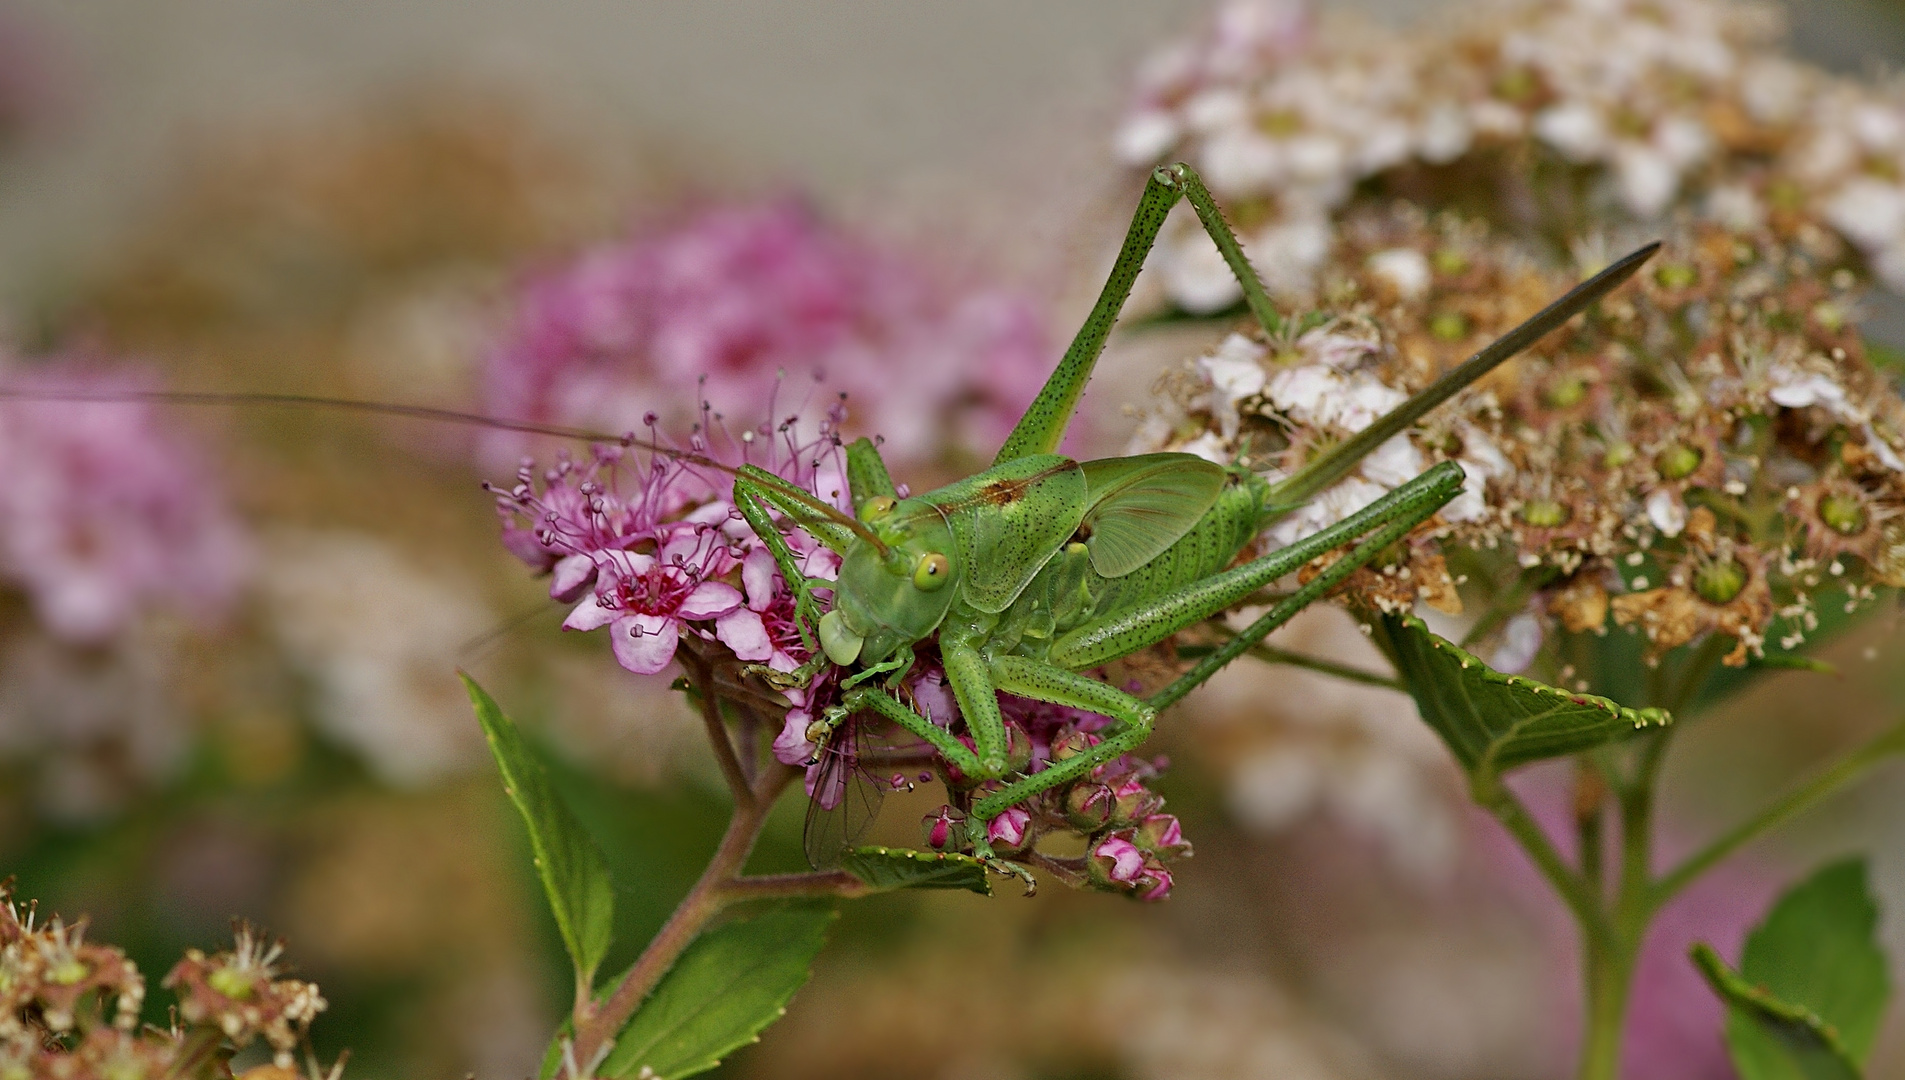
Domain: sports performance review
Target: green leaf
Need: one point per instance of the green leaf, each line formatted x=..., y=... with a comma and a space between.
x=902, y=868
x=1494, y=722
x=573, y=870
x=1771, y=1039
x=725, y=989
x=1815, y=955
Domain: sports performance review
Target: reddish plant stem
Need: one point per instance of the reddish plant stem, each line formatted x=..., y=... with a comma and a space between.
x=717, y=728
x=720, y=885
x=835, y=883
x=597, y=1025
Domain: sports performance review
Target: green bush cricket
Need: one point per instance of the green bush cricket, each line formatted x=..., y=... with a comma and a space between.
x=1041, y=568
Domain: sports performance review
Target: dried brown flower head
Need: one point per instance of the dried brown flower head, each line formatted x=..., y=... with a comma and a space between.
x=1704, y=453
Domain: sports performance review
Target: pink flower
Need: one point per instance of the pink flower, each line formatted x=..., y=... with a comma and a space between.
x=792, y=746
x=732, y=296
x=104, y=513
x=645, y=599
x=577, y=509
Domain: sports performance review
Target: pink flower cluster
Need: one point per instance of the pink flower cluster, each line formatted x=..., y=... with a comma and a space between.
x=1128, y=836
x=104, y=513
x=734, y=296
x=664, y=552
x=651, y=546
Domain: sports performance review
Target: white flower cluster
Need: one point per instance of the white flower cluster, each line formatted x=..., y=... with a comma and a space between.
x=1849, y=162
x=1325, y=384
x=379, y=634
x=1666, y=103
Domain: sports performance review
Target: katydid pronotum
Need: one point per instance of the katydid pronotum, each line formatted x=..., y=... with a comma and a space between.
x=1040, y=569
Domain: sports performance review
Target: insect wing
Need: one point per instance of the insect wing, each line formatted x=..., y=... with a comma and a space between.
x=843, y=799
x=1011, y=519
x=1139, y=506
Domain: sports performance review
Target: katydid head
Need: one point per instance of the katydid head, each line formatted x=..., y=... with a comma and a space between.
x=895, y=591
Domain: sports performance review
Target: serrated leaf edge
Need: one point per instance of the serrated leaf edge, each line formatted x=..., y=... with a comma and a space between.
x=1638, y=718
x=833, y=916
x=1734, y=988
x=916, y=855
x=539, y=843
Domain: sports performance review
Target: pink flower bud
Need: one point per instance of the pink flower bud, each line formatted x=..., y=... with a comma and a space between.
x=1018, y=748
x=1156, y=883
x=1161, y=835
x=1088, y=806
x=1072, y=743
x=1117, y=860
x=943, y=828
x=1134, y=801
x=1118, y=865
x=1009, y=829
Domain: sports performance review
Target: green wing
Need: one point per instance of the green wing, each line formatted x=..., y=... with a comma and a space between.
x=1010, y=520
x=1140, y=506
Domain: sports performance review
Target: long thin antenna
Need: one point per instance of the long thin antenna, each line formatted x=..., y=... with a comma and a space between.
x=434, y=415
x=381, y=408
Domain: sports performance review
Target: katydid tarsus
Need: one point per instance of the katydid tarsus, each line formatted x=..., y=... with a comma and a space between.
x=1035, y=572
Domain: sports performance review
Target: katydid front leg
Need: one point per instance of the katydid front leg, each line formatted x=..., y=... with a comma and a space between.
x=756, y=490
x=751, y=500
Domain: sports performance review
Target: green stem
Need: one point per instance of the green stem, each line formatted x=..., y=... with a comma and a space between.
x=1693, y=675
x=1270, y=654
x=1610, y=973
x=1842, y=772
x=1495, y=797
x=1590, y=822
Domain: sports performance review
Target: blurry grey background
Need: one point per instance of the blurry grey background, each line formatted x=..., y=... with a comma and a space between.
x=889, y=104
x=901, y=117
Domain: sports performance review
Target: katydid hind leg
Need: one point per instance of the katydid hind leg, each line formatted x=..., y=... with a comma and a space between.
x=1043, y=426
x=1132, y=720
x=1404, y=510
x=1125, y=632
x=1288, y=608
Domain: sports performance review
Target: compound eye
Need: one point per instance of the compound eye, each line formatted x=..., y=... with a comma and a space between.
x=931, y=572
x=877, y=507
